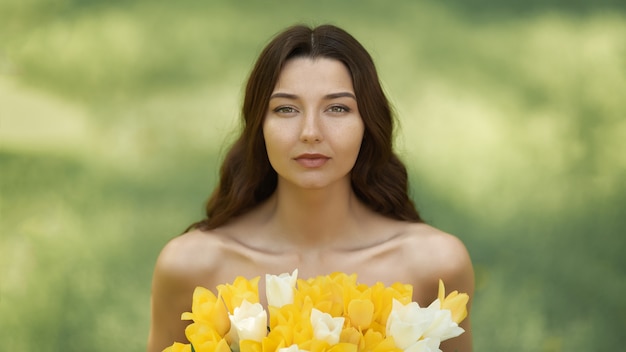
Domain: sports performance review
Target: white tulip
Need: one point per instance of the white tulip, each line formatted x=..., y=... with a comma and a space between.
x=325, y=327
x=279, y=289
x=292, y=348
x=417, y=329
x=407, y=323
x=426, y=345
x=249, y=322
x=442, y=326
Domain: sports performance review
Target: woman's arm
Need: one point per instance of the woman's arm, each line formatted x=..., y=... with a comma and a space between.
x=457, y=274
x=171, y=296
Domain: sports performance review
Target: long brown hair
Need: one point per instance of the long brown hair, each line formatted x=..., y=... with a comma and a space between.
x=379, y=178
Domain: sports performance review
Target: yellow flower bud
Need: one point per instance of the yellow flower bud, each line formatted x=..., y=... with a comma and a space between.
x=361, y=312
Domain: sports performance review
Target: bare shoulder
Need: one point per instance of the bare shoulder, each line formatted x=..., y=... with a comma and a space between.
x=184, y=263
x=436, y=255
x=188, y=256
x=440, y=246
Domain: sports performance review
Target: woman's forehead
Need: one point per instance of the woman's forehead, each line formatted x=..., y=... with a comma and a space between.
x=321, y=75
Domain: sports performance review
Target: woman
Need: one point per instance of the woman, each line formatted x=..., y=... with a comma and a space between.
x=312, y=183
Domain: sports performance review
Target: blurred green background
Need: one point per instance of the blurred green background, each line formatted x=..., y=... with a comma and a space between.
x=114, y=115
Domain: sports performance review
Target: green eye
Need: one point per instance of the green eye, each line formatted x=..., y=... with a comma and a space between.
x=285, y=110
x=338, y=109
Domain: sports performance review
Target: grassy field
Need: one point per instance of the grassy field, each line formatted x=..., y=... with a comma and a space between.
x=114, y=116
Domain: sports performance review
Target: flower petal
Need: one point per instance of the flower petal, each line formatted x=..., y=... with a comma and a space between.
x=361, y=312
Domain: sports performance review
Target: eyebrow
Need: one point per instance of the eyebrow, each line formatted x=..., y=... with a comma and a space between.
x=326, y=97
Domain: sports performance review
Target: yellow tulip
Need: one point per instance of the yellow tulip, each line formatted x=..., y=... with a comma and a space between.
x=209, y=309
x=290, y=325
x=200, y=333
x=386, y=345
x=212, y=346
x=290, y=316
x=372, y=339
x=360, y=313
x=325, y=294
x=403, y=293
x=178, y=347
x=272, y=343
x=377, y=342
x=281, y=335
x=351, y=335
x=343, y=347
x=241, y=289
x=343, y=278
x=455, y=302
x=311, y=345
x=249, y=346
x=382, y=298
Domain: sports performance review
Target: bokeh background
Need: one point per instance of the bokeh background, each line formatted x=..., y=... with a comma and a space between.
x=114, y=116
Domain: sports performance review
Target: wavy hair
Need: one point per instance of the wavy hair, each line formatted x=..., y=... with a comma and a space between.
x=379, y=178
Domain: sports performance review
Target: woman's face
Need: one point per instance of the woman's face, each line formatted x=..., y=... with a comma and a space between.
x=312, y=128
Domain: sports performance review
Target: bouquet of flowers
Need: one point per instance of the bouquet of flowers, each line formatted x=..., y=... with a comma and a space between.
x=330, y=313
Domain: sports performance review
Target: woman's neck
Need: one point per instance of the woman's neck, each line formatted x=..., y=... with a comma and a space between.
x=314, y=218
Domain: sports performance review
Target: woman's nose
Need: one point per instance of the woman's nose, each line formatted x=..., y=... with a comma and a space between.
x=311, y=132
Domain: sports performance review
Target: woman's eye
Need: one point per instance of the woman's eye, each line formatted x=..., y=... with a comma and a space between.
x=285, y=110
x=338, y=109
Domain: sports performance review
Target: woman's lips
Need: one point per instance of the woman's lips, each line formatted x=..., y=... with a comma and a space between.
x=312, y=160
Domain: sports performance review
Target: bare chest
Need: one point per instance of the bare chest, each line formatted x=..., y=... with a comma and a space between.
x=386, y=264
